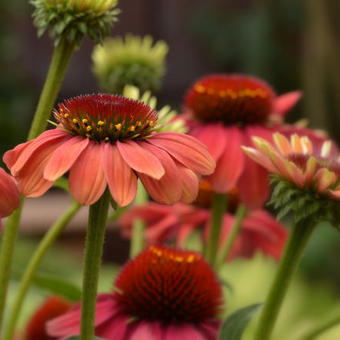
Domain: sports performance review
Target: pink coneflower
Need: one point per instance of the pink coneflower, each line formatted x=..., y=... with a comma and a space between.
x=224, y=112
x=50, y=309
x=260, y=231
x=298, y=162
x=110, y=140
x=10, y=198
x=162, y=294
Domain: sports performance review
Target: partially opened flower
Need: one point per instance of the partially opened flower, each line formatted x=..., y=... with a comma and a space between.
x=162, y=294
x=260, y=231
x=224, y=112
x=50, y=309
x=72, y=19
x=133, y=60
x=110, y=140
x=306, y=179
x=9, y=193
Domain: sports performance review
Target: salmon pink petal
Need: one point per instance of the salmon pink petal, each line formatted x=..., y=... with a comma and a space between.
x=183, y=332
x=231, y=163
x=31, y=181
x=325, y=178
x=64, y=157
x=168, y=189
x=10, y=198
x=46, y=138
x=282, y=104
x=185, y=149
x=69, y=324
x=121, y=179
x=213, y=136
x=190, y=184
x=87, y=179
x=140, y=159
x=282, y=144
x=11, y=156
x=159, y=232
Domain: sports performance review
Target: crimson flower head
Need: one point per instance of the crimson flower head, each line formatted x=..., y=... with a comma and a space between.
x=110, y=140
x=306, y=178
x=10, y=198
x=164, y=293
x=50, y=309
x=224, y=111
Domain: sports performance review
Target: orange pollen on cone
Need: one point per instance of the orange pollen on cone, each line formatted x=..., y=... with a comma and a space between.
x=231, y=99
x=169, y=285
x=106, y=118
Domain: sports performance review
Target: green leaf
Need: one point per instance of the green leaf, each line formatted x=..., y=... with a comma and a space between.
x=233, y=327
x=55, y=285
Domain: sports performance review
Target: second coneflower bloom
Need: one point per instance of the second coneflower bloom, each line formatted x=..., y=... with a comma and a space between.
x=162, y=294
x=110, y=140
x=306, y=179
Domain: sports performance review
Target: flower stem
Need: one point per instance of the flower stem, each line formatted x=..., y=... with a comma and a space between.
x=9, y=237
x=93, y=256
x=290, y=260
x=321, y=328
x=218, y=210
x=138, y=226
x=236, y=228
x=60, y=60
x=32, y=266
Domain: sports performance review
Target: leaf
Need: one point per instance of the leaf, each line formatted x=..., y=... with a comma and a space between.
x=233, y=327
x=53, y=284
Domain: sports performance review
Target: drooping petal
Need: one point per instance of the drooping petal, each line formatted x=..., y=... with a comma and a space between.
x=213, y=136
x=166, y=190
x=87, y=179
x=183, y=332
x=284, y=103
x=31, y=181
x=9, y=194
x=46, y=138
x=185, y=149
x=114, y=329
x=231, y=163
x=147, y=331
x=11, y=156
x=140, y=159
x=121, y=179
x=69, y=323
x=64, y=157
x=190, y=184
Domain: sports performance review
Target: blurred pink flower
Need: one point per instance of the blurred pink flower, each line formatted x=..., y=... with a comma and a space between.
x=297, y=161
x=224, y=112
x=10, y=197
x=110, y=140
x=162, y=294
x=260, y=231
x=50, y=309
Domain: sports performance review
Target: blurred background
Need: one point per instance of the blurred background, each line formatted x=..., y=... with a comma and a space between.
x=290, y=44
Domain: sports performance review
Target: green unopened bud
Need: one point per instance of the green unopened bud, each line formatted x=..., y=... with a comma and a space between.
x=167, y=120
x=72, y=19
x=134, y=61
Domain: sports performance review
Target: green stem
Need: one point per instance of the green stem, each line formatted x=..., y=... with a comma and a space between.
x=218, y=209
x=60, y=60
x=138, y=226
x=9, y=237
x=236, y=228
x=93, y=256
x=33, y=264
x=290, y=260
x=321, y=328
